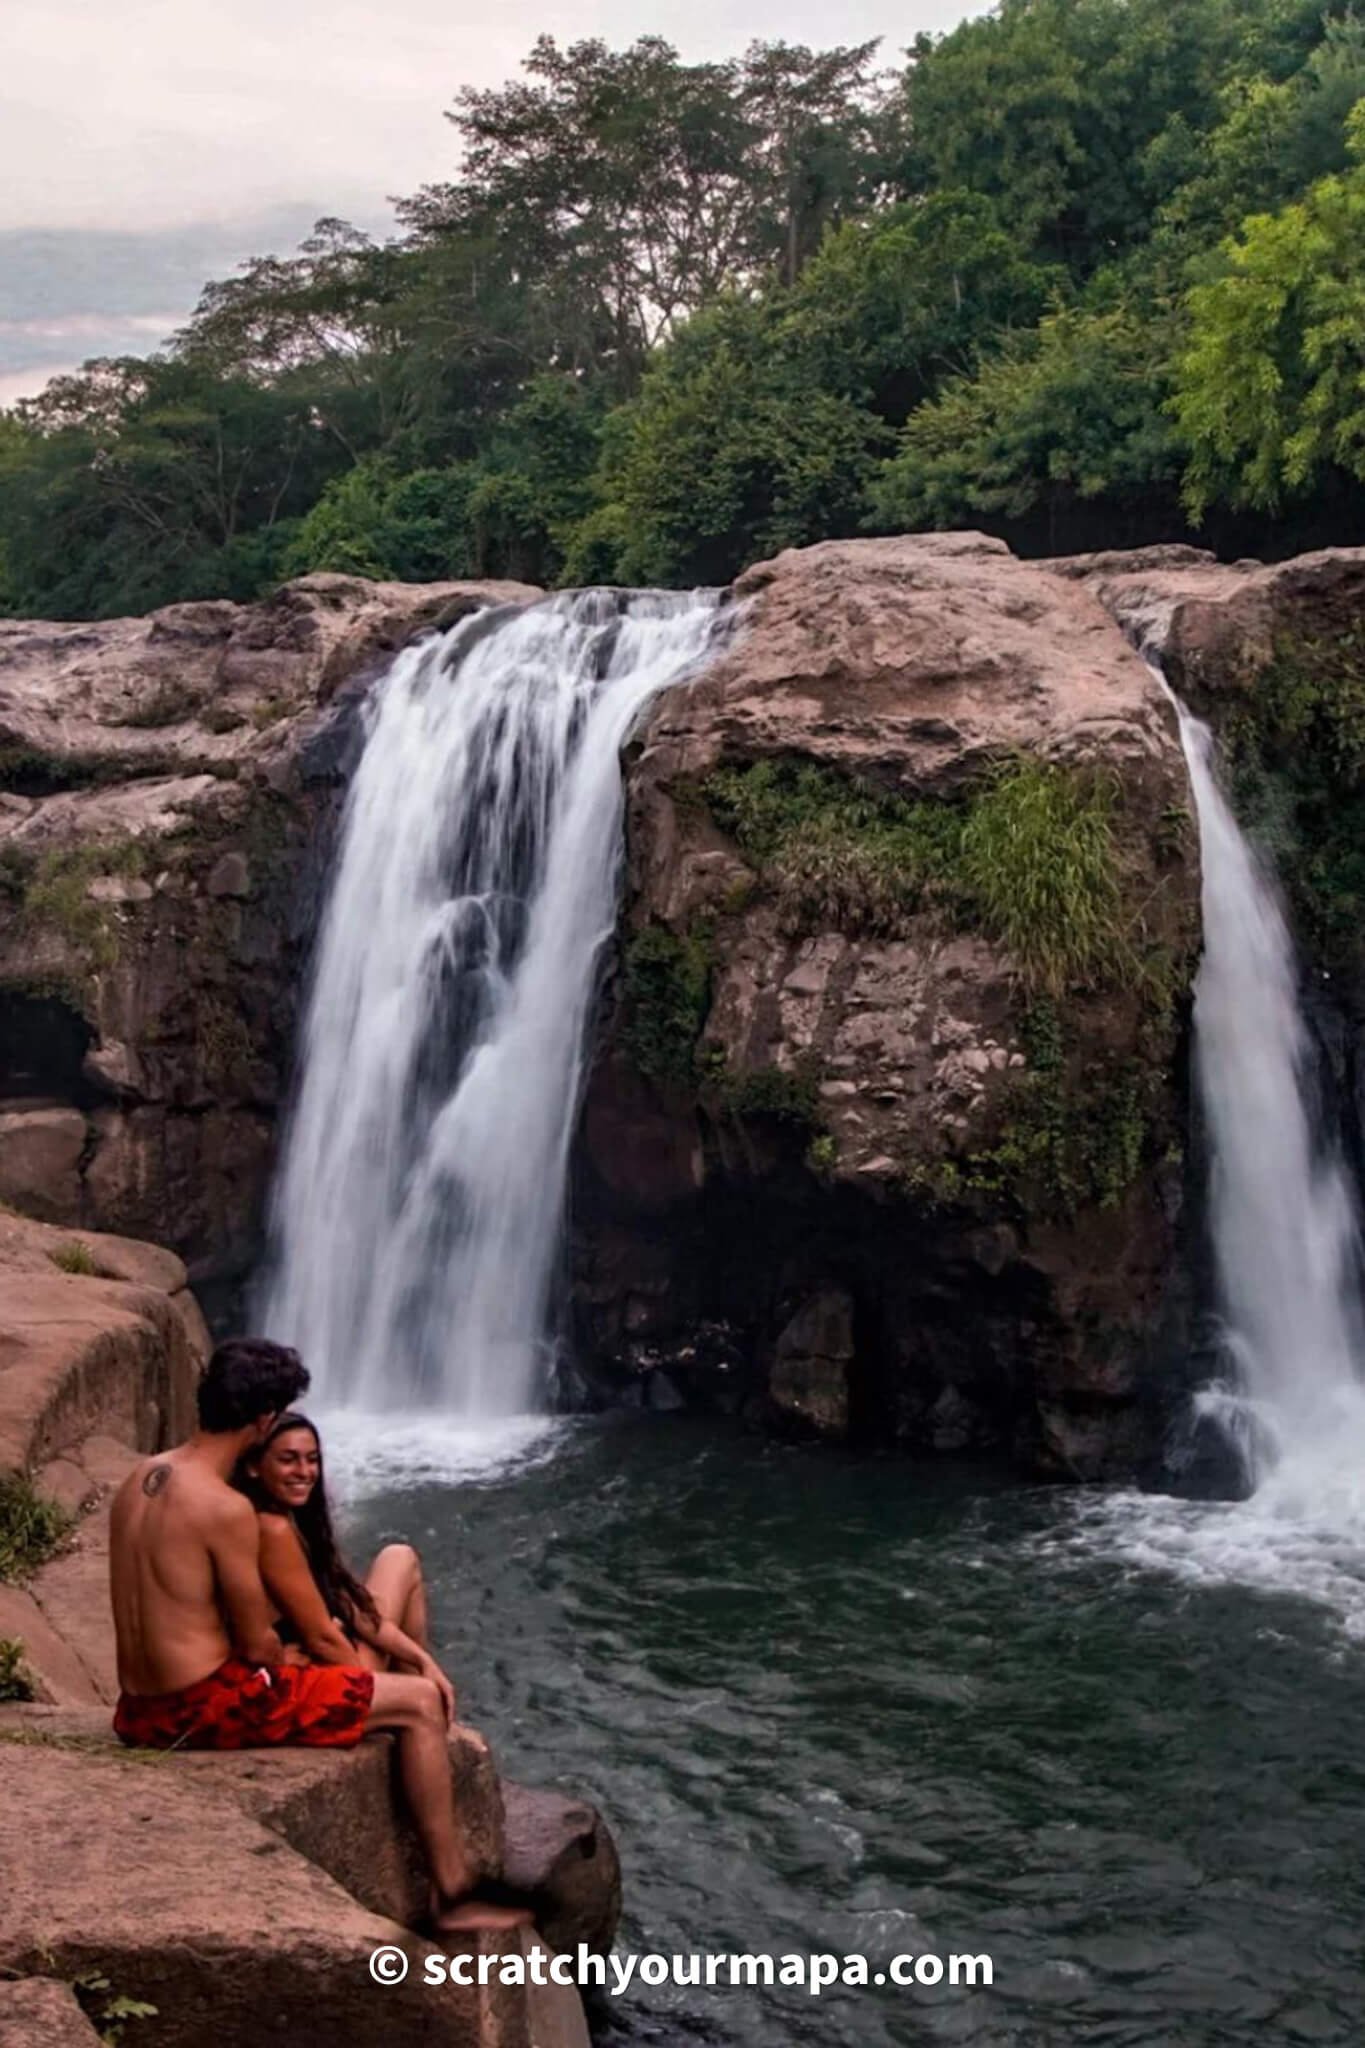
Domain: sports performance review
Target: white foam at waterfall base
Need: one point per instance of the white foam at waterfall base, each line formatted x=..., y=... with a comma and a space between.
x=418, y=1212
x=1286, y=1242
x=388, y=1453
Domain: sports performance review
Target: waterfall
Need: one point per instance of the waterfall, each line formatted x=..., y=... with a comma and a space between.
x=418, y=1210
x=1283, y=1215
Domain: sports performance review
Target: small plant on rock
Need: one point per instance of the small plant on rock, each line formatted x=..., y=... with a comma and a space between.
x=16, y=1682
x=31, y=1529
x=75, y=1257
x=108, y=2011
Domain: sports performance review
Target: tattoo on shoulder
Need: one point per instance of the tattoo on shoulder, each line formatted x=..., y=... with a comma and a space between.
x=155, y=1480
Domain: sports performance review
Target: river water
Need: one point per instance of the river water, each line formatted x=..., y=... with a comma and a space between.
x=889, y=1707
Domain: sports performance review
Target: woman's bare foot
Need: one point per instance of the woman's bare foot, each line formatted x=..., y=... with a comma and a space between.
x=477, y=1916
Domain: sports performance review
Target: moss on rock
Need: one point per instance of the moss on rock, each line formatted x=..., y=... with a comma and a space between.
x=1296, y=750
x=666, y=985
x=1029, y=857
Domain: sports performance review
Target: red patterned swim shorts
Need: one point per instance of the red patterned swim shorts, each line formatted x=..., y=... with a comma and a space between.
x=252, y=1706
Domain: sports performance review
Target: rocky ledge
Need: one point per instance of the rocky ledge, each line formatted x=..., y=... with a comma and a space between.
x=228, y=1896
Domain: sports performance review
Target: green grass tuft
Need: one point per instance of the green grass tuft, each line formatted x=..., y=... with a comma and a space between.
x=16, y=1680
x=57, y=896
x=31, y=1529
x=837, y=852
x=75, y=1257
x=1039, y=861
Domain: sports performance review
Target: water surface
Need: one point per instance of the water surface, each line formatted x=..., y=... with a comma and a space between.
x=883, y=1707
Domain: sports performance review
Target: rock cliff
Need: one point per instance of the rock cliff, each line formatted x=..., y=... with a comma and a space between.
x=884, y=1135
x=166, y=787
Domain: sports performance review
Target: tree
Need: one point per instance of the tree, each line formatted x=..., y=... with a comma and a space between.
x=1270, y=390
x=1063, y=111
x=628, y=188
x=731, y=451
x=143, y=482
x=1072, y=411
x=895, y=303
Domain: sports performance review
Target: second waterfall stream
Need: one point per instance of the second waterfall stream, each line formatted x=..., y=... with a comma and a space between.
x=1287, y=1254
x=418, y=1211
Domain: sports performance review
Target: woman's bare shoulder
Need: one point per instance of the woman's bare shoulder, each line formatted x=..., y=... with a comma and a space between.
x=278, y=1532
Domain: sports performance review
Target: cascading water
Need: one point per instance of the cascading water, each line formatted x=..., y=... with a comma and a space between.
x=418, y=1210
x=1285, y=1232
x=1287, y=1253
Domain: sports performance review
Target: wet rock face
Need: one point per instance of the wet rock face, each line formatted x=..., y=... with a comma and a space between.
x=875, y=1147
x=168, y=788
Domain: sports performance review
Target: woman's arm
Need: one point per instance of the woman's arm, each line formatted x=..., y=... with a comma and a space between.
x=391, y=1642
x=290, y=1583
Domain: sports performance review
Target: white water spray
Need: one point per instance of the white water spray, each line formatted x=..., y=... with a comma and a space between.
x=418, y=1212
x=1287, y=1251
x=1284, y=1226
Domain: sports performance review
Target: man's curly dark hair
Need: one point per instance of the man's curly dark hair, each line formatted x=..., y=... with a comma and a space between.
x=246, y=1379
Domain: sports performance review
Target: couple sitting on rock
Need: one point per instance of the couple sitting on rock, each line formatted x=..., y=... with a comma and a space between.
x=240, y=1627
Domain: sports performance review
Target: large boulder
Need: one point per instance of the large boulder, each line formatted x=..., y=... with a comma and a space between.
x=240, y=1896
x=167, y=786
x=848, y=1060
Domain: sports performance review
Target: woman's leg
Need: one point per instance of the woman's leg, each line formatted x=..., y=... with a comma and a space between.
x=399, y=1590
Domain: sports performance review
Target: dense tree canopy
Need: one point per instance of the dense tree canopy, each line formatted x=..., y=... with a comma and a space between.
x=1080, y=266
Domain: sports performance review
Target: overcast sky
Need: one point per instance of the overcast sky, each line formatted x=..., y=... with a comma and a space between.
x=157, y=114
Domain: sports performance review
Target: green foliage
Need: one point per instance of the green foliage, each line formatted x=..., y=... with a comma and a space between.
x=731, y=451
x=787, y=1094
x=822, y=1154
x=16, y=1681
x=74, y=1256
x=1031, y=858
x=1071, y=410
x=31, y=1529
x=1073, y=1135
x=1078, y=117
x=1269, y=392
x=57, y=896
x=109, y=2011
x=1297, y=756
x=666, y=990
x=836, y=852
x=666, y=318
x=1040, y=862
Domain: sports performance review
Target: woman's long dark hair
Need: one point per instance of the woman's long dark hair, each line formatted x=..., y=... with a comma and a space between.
x=345, y=1595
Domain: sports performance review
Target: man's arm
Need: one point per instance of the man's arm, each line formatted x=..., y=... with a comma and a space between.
x=233, y=1545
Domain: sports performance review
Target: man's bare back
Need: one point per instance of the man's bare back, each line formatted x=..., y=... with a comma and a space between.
x=183, y=1574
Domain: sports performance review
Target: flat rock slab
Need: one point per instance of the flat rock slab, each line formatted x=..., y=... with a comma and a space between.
x=38, y=2012
x=187, y=1883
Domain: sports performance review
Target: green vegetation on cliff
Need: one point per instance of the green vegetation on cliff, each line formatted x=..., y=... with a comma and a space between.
x=1029, y=857
x=1296, y=743
x=16, y=1681
x=666, y=991
x=1082, y=271
x=1074, y=1135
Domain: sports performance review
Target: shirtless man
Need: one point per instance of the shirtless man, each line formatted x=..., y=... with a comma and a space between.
x=199, y=1663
